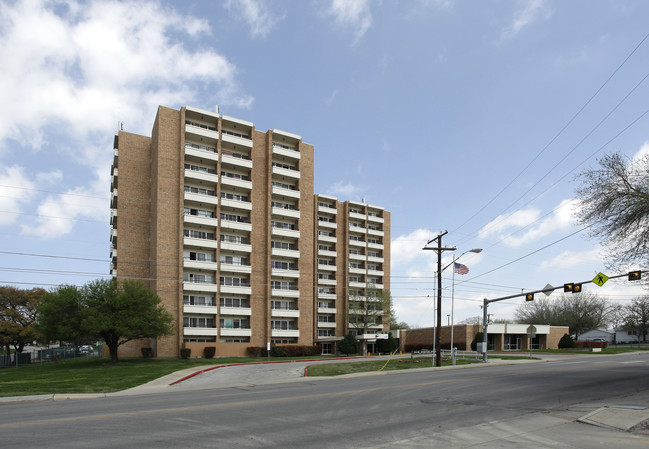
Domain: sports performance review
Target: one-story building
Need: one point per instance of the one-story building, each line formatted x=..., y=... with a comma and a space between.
x=598, y=335
x=500, y=336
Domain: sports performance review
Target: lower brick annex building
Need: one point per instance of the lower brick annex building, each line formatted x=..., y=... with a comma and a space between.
x=221, y=221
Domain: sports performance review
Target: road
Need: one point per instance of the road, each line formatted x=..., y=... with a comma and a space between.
x=500, y=405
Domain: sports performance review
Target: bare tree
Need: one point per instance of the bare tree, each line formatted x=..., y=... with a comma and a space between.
x=581, y=312
x=615, y=203
x=369, y=311
x=637, y=317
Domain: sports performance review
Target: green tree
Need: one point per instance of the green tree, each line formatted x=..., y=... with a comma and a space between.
x=348, y=345
x=615, y=203
x=566, y=342
x=387, y=345
x=61, y=314
x=124, y=312
x=105, y=309
x=17, y=317
x=365, y=312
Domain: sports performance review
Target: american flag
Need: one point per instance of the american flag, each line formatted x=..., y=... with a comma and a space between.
x=460, y=269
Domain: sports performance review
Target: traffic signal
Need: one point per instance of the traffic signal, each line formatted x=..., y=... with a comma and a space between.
x=568, y=287
x=635, y=275
x=576, y=288
x=529, y=297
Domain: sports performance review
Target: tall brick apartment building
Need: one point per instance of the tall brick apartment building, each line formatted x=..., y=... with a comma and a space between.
x=221, y=221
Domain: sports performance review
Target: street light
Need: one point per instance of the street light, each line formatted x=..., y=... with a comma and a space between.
x=476, y=251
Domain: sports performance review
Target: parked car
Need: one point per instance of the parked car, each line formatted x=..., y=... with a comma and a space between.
x=85, y=349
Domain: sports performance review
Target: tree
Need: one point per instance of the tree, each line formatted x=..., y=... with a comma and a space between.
x=121, y=313
x=581, y=312
x=348, y=345
x=17, y=317
x=115, y=312
x=61, y=314
x=387, y=345
x=637, y=317
x=615, y=203
x=367, y=311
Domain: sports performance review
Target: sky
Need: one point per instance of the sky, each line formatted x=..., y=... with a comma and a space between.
x=474, y=118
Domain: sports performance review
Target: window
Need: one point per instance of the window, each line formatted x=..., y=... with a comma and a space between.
x=203, y=322
x=279, y=265
x=196, y=300
x=283, y=341
x=231, y=175
x=234, y=323
x=355, y=278
x=235, y=134
x=326, y=276
x=325, y=332
x=326, y=247
x=234, y=217
x=326, y=318
x=194, y=234
x=200, y=339
x=357, y=252
x=200, y=125
x=201, y=257
x=283, y=165
x=199, y=147
x=278, y=244
x=283, y=185
x=326, y=305
x=283, y=285
x=233, y=154
x=199, y=191
x=199, y=212
x=282, y=305
x=198, y=278
x=330, y=206
x=235, y=260
x=326, y=262
x=199, y=168
x=355, y=265
x=375, y=241
x=283, y=325
x=234, y=239
x=326, y=290
x=282, y=225
x=326, y=233
x=326, y=219
x=236, y=340
x=282, y=205
x=234, y=197
x=234, y=281
x=240, y=303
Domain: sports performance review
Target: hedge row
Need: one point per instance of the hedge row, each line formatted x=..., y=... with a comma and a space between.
x=284, y=351
x=460, y=345
x=592, y=344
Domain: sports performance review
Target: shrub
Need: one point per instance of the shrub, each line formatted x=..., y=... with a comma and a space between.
x=348, y=345
x=478, y=337
x=279, y=351
x=147, y=352
x=388, y=345
x=185, y=353
x=209, y=351
x=566, y=342
x=592, y=344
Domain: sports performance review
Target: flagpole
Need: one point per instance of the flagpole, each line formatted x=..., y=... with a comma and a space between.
x=452, y=312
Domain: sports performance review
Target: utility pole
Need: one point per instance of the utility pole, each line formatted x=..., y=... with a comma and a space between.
x=439, y=249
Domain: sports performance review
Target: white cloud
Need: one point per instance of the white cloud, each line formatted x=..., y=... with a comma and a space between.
x=569, y=259
x=504, y=227
x=531, y=11
x=75, y=69
x=352, y=13
x=346, y=191
x=405, y=248
x=642, y=152
x=256, y=14
x=15, y=191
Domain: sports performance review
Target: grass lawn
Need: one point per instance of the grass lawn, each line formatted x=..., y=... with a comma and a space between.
x=95, y=375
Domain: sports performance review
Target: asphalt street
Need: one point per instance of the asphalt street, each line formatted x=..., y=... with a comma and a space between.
x=575, y=402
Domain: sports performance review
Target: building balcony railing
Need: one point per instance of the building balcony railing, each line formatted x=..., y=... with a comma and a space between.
x=201, y=130
x=284, y=333
x=375, y=219
x=289, y=193
x=208, y=331
x=288, y=173
x=286, y=152
x=289, y=253
x=236, y=332
x=236, y=138
x=327, y=324
x=235, y=311
x=284, y=313
x=284, y=232
x=326, y=310
x=210, y=310
x=198, y=287
x=285, y=293
x=285, y=273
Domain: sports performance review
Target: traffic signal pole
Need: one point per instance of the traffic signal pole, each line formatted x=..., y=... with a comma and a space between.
x=634, y=275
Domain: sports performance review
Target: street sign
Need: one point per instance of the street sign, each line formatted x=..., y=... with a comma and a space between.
x=531, y=331
x=549, y=289
x=600, y=279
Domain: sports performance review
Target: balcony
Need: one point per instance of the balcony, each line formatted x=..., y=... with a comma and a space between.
x=375, y=259
x=286, y=152
x=200, y=198
x=375, y=245
x=284, y=333
x=236, y=332
x=236, y=225
x=375, y=272
x=205, y=243
x=236, y=138
x=328, y=282
x=360, y=243
x=284, y=313
x=357, y=284
x=285, y=172
x=236, y=289
x=329, y=296
x=326, y=324
x=326, y=310
x=200, y=287
x=324, y=267
x=238, y=247
x=236, y=204
x=288, y=193
x=375, y=219
x=210, y=310
x=327, y=224
x=357, y=229
x=199, y=264
x=208, y=331
x=327, y=253
x=236, y=182
x=236, y=268
x=283, y=232
x=284, y=293
x=357, y=270
x=235, y=311
x=200, y=151
x=198, y=130
x=203, y=221
x=327, y=238
x=196, y=175
x=286, y=213
x=289, y=253
x=357, y=257
x=285, y=273
x=357, y=216
x=327, y=210
x=235, y=160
